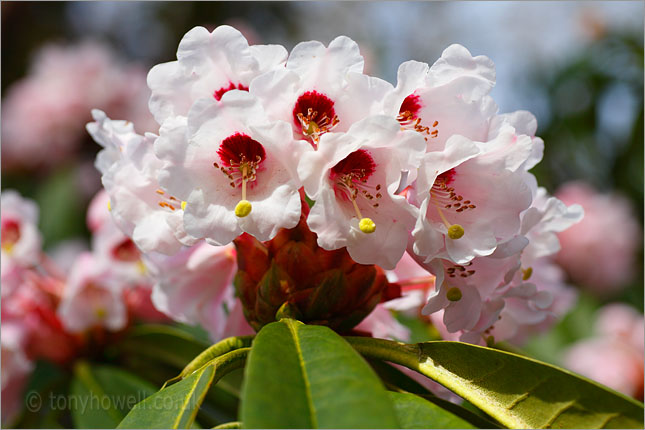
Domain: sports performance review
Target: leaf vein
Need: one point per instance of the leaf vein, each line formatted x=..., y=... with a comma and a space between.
x=559, y=412
x=296, y=341
x=188, y=397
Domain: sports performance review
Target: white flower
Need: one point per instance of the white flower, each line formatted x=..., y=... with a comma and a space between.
x=321, y=89
x=446, y=99
x=470, y=202
x=141, y=208
x=208, y=65
x=352, y=177
x=234, y=168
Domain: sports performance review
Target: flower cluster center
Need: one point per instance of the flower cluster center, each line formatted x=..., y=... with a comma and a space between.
x=314, y=113
x=350, y=177
x=231, y=86
x=410, y=120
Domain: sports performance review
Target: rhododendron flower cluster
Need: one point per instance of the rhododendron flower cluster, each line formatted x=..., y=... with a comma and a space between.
x=44, y=113
x=60, y=312
x=614, y=355
x=596, y=255
x=427, y=169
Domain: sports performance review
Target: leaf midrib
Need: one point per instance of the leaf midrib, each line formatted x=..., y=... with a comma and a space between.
x=290, y=325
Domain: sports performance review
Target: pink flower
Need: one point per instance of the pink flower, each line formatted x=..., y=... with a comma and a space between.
x=208, y=65
x=416, y=284
x=98, y=213
x=236, y=324
x=194, y=285
x=615, y=356
x=381, y=323
x=599, y=253
x=21, y=241
x=93, y=297
x=16, y=367
x=44, y=114
x=535, y=304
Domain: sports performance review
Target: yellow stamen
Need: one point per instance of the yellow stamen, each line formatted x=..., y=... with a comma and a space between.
x=455, y=231
x=183, y=206
x=109, y=205
x=100, y=313
x=526, y=273
x=243, y=208
x=454, y=294
x=141, y=267
x=7, y=247
x=367, y=225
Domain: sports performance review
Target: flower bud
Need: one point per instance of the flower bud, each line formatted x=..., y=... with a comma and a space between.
x=292, y=275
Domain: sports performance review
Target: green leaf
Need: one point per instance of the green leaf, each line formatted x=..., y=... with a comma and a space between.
x=306, y=376
x=517, y=391
x=173, y=407
x=167, y=344
x=398, y=381
x=102, y=395
x=413, y=412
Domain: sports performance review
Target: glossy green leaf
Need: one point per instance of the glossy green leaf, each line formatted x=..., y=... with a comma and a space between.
x=102, y=395
x=173, y=407
x=517, y=391
x=414, y=412
x=306, y=376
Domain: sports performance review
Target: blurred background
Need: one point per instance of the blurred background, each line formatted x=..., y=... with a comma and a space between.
x=578, y=66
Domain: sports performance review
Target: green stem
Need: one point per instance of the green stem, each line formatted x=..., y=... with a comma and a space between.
x=213, y=351
x=230, y=361
x=231, y=425
x=224, y=362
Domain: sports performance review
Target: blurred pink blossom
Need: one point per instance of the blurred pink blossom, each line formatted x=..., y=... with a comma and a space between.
x=599, y=252
x=16, y=367
x=44, y=114
x=195, y=286
x=381, y=323
x=615, y=356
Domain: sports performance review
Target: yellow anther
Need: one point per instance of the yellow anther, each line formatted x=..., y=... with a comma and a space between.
x=7, y=247
x=183, y=206
x=141, y=267
x=243, y=208
x=109, y=205
x=455, y=231
x=526, y=273
x=367, y=225
x=453, y=294
x=100, y=313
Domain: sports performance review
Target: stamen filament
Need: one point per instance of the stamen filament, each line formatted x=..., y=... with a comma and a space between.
x=366, y=225
x=244, y=179
x=358, y=211
x=455, y=231
x=243, y=208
